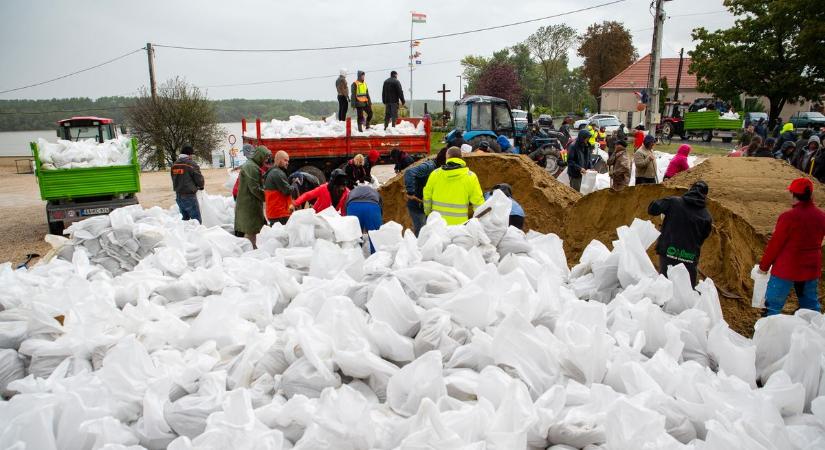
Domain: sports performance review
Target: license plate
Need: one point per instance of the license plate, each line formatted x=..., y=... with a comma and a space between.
x=95, y=211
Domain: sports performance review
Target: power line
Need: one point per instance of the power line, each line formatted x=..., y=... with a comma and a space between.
x=73, y=73
x=402, y=41
x=62, y=110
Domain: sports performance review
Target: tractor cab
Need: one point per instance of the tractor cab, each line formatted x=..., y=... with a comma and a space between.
x=481, y=118
x=80, y=128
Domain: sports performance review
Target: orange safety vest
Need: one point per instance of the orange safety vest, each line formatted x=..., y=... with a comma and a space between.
x=361, y=91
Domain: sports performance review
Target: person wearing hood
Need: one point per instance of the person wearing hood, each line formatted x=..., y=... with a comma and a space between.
x=578, y=159
x=452, y=189
x=645, y=161
x=391, y=95
x=686, y=225
x=247, y=150
x=787, y=135
x=618, y=165
x=817, y=165
x=401, y=159
x=332, y=193
x=803, y=158
x=360, y=98
x=787, y=153
x=415, y=178
x=794, y=252
x=679, y=163
x=249, y=206
x=516, y=211
x=343, y=98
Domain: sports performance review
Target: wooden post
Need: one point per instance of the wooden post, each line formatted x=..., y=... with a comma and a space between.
x=443, y=93
x=150, y=52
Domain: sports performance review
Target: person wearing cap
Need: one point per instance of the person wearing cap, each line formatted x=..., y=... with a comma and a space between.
x=391, y=95
x=516, y=211
x=452, y=189
x=794, y=253
x=277, y=191
x=639, y=136
x=787, y=153
x=415, y=178
x=360, y=98
x=686, y=225
x=679, y=163
x=332, y=193
x=372, y=160
x=618, y=165
x=187, y=180
x=343, y=98
x=249, y=206
x=786, y=135
x=579, y=159
x=645, y=162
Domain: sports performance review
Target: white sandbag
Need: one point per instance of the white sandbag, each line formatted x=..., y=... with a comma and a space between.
x=733, y=354
x=419, y=380
x=588, y=183
x=11, y=368
x=390, y=304
x=760, y=287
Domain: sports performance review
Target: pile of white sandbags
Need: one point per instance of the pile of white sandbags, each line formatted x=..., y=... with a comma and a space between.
x=216, y=210
x=299, y=126
x=86, y=153
x=474, y=336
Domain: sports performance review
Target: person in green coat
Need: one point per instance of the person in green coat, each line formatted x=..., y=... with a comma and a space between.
x=249, y=206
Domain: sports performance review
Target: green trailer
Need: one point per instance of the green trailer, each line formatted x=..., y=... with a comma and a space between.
x=709, y=124
x=75, y=194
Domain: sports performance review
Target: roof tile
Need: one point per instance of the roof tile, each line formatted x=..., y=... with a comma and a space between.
x=635, y=75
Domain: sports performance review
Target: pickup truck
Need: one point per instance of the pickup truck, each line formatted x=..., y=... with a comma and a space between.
x=810, y=119
x=77, y=193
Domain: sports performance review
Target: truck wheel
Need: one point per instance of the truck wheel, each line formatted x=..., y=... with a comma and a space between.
x=316, y=172
x=707, y=136
x=476, y=141
x=56, y=228
x=667, y=129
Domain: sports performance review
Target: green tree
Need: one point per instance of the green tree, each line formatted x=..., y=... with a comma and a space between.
x=179, y=115
x=607, y=49
x=766, y=53
x=549, y=46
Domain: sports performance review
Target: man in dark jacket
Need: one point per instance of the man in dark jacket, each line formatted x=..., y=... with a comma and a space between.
x=686, y=225
x=794, y=252
x=578, y=159
x=277, y=192
x=302, y=182
x=361, y=101
x=455, y=140
x=761, y=129
x=401, y=159
x=415, y=178
x=391, y=95
x=787, y=135
x=187, y=181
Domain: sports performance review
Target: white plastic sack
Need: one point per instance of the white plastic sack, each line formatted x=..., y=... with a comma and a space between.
x=588, y=182
x=760, y=287
x=419, y=380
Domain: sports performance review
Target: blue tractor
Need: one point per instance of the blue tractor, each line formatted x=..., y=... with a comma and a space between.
x=481, y=118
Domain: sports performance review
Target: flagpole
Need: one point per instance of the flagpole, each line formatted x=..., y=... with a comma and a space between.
x=412, y=22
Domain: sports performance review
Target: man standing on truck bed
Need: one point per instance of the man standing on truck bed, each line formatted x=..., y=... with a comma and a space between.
x=343, y=98
x=391, y=94
x=187, y=181
x=361, y=100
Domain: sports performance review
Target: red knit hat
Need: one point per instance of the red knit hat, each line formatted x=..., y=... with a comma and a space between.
x=373, y=156
x=800, y=185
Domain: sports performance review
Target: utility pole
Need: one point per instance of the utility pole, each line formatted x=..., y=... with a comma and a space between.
x=679, y=75
x=460, y=82
x=443, y=93
x=655, y=60
x=150, y=52
x=412, y=64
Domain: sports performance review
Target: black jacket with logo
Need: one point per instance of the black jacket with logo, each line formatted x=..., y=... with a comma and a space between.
x=186, y=176
x=392, y=92
x=686, y=226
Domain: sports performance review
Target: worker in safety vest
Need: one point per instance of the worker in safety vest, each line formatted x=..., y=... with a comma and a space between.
x=451, y=189
x=594, y=133
x=361, y=100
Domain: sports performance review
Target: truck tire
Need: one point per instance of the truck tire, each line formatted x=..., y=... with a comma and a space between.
x=667, y=129
x=316, y=172
x=707, y=136
x=56, y=228
x=476, y=141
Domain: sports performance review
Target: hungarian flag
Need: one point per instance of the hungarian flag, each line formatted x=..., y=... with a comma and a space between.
x=419, y=17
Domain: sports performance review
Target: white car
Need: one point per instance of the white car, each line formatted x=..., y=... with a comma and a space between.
x=610, y=123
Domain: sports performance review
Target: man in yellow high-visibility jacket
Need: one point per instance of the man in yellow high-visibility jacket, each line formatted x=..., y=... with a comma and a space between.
x=451, y=189
x=361, y=100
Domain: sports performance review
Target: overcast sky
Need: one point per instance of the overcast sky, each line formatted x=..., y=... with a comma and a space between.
x=40, y=40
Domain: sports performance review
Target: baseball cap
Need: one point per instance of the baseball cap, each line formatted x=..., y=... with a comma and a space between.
x=800, y=185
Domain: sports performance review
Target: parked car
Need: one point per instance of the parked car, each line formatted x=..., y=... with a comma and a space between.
x=753, y=118
x=610, y=123
x=579, y=124
x=811, y=119
x=519, y=119
x=546, y=120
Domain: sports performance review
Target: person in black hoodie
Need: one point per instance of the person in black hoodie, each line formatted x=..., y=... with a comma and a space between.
x=686, y=225
x=391, y=95
x=578, y=159
x=401, y=159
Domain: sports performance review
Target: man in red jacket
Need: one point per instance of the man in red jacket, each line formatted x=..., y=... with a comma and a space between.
x=794, y=253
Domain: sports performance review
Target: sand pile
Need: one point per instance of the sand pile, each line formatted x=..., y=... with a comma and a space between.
x=544, y=199
x=746, y=197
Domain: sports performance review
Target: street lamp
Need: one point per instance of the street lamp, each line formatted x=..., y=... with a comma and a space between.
x=459, y=87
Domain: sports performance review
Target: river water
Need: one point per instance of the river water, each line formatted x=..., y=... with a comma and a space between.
x=16, y=143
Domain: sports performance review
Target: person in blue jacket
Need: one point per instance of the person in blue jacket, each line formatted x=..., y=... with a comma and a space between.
x=516, y=211
x=415, y=178
x=505, y=146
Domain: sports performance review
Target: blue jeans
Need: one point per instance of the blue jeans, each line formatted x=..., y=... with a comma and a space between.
x=778, y=290
x=417, y=215
x=189, y=208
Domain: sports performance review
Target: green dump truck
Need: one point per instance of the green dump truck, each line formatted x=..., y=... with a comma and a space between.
x=705, y=125
x=77, y=193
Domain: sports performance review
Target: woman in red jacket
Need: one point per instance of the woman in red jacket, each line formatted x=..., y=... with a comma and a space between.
x=794, y=253
x=334, y=192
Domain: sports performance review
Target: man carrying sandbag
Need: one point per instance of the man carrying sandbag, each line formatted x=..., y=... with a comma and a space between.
x=579, y=159
x=686, y=225
x=794, y=253
x=451, y=189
